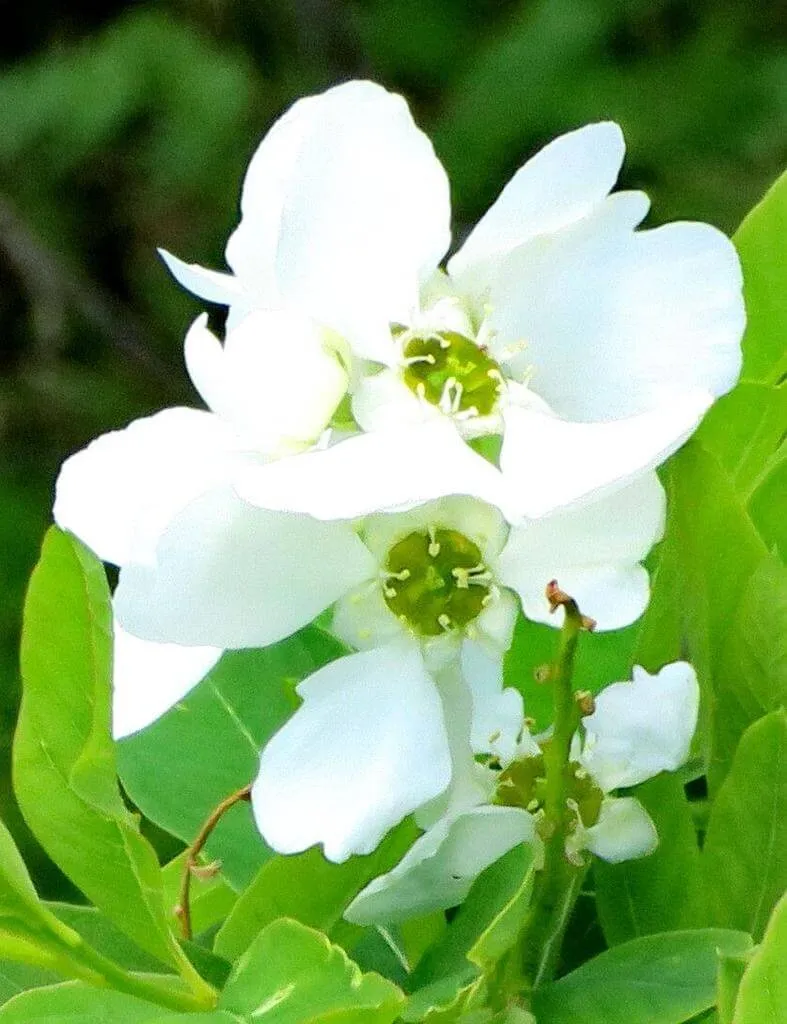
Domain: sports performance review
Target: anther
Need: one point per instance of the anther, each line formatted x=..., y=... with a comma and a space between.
x=445, y=622
x=434, y=544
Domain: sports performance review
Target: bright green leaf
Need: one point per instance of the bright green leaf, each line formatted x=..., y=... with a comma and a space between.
x=751, y=679
x=293, y=975
x=662, y=892
x=657, y=979
x=728, y=981
x=745, y=854
x=63, y=752
x=78, y=1004
x=307, y=888
x=209, y=746
x=492, y=892
x=502, y=932
x=762, y=996
x=760, y=244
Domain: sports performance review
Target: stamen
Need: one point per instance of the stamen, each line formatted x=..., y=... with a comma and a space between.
x=434, y=544
x=390, y=591
x=445, y=622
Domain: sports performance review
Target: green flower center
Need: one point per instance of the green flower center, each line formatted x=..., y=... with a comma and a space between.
x=451, y=371
x=523, y=784
x=435, y=581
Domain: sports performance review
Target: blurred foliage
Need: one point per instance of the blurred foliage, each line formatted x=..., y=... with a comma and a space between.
x=131, y=128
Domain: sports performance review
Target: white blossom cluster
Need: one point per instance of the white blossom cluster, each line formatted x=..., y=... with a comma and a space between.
x=417, y=446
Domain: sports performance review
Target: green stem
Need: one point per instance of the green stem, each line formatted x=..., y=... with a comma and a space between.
x=63, y=950
x=560, y=880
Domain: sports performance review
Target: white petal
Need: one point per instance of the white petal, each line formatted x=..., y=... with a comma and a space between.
x=148, y=679
x=498, y=715
x=479, y=521
x=620, y=322
x=382, y=401
x=468, y=788
x=643, y=727
x=494, y=627
x=593, y=551
x=211, y=285
x=623, y=831
x=379, y=472
x=560, y=184
x=232, y=575
x=366, y=748
x=549, y=463
x=439, y=869
x=120, y=492
x=362, y=619
x=346, y=208
x=274, y=378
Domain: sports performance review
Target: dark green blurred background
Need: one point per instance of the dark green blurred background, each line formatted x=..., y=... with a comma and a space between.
x=131, y=129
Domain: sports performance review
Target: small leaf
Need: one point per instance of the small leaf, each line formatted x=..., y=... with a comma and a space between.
x=293, y=975
x=63, y=752
x=762, y=996
x=657, y=979
x=745, y=854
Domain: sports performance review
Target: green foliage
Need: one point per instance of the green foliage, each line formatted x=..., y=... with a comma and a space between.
x=657, y=979
x=660, y=893
x=762, y=995
x=235, y=709
x=75, y=1003
x=292, y=974
x=63, y=754
x=746, y=845
x=309, y=889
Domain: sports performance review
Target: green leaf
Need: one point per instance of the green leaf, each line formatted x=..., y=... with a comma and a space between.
x=16, y=978
x=731, y=971
x=503, y=930
x=232, y=713
x=657, y=979
x=445, y=968
x=293, y=975
x=745, y=431
x=762, y=996
x=78, y=1003
x=104, y=936
x=307, y=888
x=745, y=854
x=760, y=245
x=751, y=679
x=719, y=550
x=662, y=892
x=63, y=752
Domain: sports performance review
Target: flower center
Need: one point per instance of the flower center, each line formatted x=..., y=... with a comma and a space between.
x=435, y=581
x=523, y=784
x=452, y=372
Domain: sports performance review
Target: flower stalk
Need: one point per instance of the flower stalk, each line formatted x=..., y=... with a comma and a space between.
x=558, y=887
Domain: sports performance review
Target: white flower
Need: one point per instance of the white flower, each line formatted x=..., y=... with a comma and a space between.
x=439, y=605
x=127, y=492
x=638, y=729
x=593, y=348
